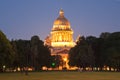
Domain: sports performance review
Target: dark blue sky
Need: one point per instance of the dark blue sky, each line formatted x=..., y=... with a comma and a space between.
x=21, y=19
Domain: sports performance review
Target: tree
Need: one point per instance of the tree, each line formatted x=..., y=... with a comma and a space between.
x=31, y=53
x=6, y=52
x=97, y=45
x=105, y=35
x=22, y=53
x=40, y=53
x=81, y=55
x=111, y=50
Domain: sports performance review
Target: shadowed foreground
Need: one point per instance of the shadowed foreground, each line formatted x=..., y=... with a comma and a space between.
x=61, y=76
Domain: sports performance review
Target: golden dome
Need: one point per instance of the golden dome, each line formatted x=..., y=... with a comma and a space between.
x=61, y=22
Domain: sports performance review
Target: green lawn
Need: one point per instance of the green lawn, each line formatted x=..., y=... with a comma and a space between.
x=61, y=76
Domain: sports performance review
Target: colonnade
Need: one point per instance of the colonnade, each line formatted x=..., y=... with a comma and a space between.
x=62, y=36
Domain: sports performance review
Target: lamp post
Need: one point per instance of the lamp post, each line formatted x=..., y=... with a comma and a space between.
x=4, y=68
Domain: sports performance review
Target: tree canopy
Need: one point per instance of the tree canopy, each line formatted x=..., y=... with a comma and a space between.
x=31, y=53
x=89, y=51
x=97, y=52
x=6, y=51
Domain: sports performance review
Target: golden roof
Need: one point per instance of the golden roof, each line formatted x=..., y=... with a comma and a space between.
x=61, y=21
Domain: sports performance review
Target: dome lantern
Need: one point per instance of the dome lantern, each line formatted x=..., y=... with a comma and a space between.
x=61, y=13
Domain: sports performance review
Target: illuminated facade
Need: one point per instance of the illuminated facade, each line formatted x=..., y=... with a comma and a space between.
x=61, y=34
x=61, y=38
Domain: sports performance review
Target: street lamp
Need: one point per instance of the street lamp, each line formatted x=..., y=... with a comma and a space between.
x=4, y=68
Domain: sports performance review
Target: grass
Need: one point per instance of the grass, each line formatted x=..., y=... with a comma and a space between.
x=61, y=76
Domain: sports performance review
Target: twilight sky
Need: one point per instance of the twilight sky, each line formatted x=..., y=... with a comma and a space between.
x=21, y=19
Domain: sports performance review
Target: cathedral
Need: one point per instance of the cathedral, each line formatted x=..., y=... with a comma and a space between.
x=60, y=39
